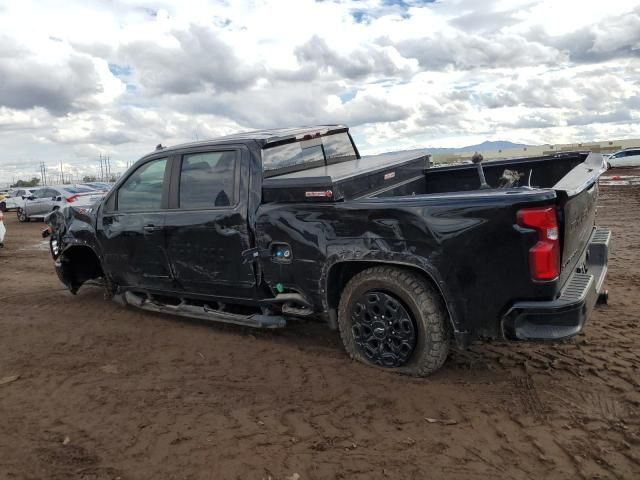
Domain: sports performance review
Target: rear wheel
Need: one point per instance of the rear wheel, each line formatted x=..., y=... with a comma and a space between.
x=22, y=216
x=3, y=206
x=394, y=319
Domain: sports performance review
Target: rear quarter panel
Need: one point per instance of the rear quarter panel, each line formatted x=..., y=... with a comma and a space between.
x=468, y=243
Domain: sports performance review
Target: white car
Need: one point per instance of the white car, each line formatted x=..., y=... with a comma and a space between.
x=15, y=198
x=54, y=197
x=629, y=157
x=3, y=230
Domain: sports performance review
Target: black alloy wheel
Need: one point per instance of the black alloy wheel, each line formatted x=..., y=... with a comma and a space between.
x=383, y=330
x=394, y=319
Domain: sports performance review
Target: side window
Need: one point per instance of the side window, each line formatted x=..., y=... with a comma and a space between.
x=207, y=180
x=143, y=189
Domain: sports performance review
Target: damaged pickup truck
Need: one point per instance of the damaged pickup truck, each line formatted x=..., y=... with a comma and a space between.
x=264, y=227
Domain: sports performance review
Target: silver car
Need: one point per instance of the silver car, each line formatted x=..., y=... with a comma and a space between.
x=50, y=198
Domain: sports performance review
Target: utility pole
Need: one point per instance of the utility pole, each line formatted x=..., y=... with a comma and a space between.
x=101, y=169
x=43, y=173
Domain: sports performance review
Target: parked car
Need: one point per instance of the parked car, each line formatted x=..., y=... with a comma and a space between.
x=50, y=198
x=15, y=198
x=3, y=229
x=263, y=227
x=629, y=157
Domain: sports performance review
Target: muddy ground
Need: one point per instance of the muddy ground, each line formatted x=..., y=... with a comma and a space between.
x=108, y=392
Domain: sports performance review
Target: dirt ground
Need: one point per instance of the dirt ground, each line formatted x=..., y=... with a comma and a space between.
x=107, y=392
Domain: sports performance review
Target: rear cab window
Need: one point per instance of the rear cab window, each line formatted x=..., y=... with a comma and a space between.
x=306, y=153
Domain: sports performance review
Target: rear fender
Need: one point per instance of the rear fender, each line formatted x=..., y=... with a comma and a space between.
x=417, y=264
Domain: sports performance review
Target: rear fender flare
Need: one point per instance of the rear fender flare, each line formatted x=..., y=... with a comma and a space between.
x=401, y=260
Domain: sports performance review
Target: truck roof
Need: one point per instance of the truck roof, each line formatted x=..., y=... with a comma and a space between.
x=263, y=137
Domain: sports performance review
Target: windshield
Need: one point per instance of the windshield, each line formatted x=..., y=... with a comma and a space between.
x=308, y=153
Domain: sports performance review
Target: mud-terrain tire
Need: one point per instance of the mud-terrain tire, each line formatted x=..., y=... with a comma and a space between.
x=22, y=217
x=417, y=299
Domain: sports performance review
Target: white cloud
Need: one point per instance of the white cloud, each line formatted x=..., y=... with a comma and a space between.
x=84, y=78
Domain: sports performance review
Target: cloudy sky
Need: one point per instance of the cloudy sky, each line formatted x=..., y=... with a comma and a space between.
x=116, y=77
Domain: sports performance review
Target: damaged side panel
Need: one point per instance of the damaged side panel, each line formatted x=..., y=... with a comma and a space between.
x=72, y=243
x=423, y=233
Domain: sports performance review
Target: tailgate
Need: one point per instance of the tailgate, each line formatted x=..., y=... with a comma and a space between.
x=577, y=192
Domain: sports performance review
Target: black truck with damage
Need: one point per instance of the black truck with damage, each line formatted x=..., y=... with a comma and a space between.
x=403, y=258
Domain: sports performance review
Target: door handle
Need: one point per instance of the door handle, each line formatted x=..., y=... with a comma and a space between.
x=149, y=228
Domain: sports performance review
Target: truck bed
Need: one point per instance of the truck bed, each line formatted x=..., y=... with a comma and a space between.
x=346, y=180
x=410, y=173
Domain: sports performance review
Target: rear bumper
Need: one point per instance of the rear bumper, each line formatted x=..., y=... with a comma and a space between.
x=566, y=315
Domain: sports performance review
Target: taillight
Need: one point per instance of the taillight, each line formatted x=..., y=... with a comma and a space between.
x=72, y=198
x=544, y=256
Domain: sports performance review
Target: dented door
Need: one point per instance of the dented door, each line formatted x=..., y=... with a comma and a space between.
x=130, y=228
x=207, y=228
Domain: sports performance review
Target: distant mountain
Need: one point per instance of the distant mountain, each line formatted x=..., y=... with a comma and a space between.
x=481, y=147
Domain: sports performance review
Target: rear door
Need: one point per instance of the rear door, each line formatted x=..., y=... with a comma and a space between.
x=55, y=199
x=207, y=228
x=130, y=228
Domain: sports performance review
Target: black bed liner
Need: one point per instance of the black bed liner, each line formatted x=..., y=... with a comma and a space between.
x=346, y=180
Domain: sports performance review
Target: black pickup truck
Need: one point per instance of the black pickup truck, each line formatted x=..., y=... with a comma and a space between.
x=264, y=227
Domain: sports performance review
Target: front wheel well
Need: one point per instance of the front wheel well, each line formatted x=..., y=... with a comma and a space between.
x=80, y=263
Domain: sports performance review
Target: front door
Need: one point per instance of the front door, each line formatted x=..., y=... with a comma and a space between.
x=130, y=228
x=207, y=228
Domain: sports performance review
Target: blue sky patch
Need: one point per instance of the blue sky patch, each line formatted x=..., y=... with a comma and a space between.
x=347, y=96
x=120, y=70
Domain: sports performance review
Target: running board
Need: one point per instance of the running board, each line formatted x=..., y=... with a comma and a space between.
x=184, y=309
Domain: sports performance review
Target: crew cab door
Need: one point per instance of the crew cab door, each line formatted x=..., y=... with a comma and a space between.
x=130, y=228
x=207, y=228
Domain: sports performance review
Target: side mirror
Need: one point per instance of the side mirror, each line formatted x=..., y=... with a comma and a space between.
x=30, y=197
x=57, y=199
